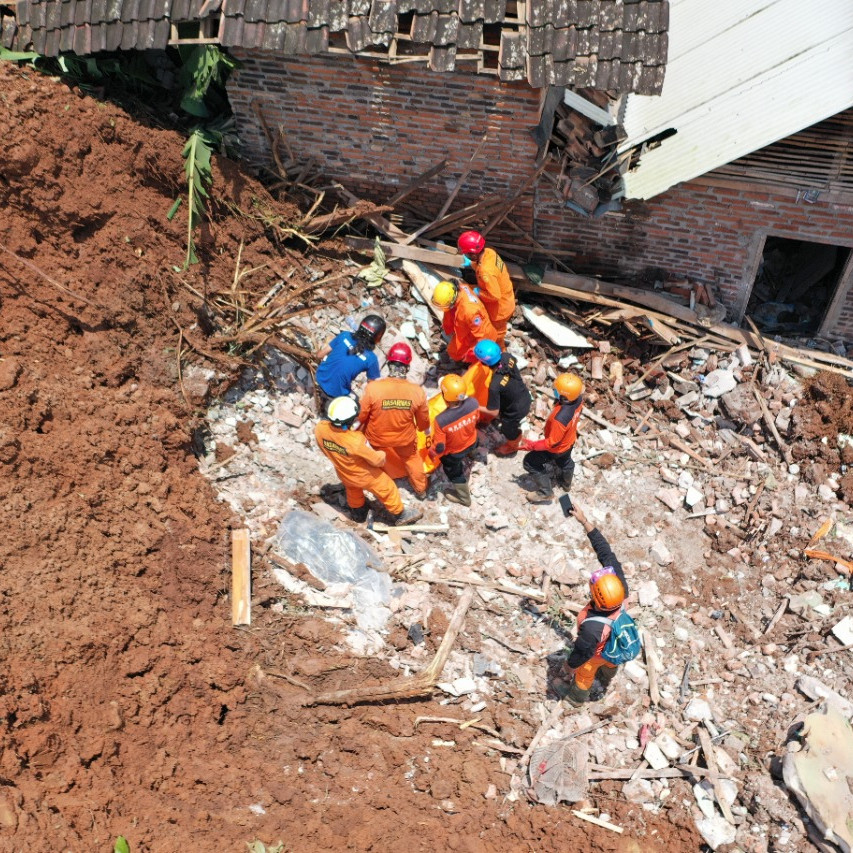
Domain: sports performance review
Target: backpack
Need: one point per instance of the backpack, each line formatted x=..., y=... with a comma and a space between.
x=624, y=643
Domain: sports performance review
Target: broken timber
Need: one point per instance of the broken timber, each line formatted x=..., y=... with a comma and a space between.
x=586, y=289
x=241, y=578
x=406, y=688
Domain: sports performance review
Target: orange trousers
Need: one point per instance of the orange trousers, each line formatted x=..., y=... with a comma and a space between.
x=406, y=462
x=500, y=331
x=382, y=486
x=585, y=673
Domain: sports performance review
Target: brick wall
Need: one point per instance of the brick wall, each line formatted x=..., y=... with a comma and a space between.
x=376, y=127
x=697, y=230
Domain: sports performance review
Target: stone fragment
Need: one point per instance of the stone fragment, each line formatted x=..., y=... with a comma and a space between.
x=638, y=791
x=648, y=594
x=693, y=497
x=669, y=746
x=716, y=831
x=844, y=630
x=635, y=671
x=685, y=480
x=698, y=710
x=825, y=492
x=652, y=753
x=741, y=406
x=718, y=382
x=660, y=554
x=671, y=498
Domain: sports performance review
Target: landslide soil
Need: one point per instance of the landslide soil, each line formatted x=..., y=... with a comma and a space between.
x=128, y=704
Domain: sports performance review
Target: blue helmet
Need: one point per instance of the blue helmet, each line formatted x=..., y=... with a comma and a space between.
x=488, y=352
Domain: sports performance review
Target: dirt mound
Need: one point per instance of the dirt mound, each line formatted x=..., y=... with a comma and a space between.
x=127, y=702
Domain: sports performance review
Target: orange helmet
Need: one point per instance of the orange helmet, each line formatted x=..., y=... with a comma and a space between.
x=453, y=388
x=607, y=592
x=568, y=385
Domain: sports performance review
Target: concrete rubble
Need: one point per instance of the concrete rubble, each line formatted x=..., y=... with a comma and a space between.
x=709, y=520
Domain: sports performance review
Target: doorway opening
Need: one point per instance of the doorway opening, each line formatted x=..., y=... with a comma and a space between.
x=794, y=285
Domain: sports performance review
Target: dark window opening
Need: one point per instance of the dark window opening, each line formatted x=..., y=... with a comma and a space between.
x=794, y=285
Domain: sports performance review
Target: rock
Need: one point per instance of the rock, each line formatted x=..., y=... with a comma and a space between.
x=685, y=480
x=704, y=794
x=741, y=406
x=496, y=522
x=683, y=430
x=483, y=666
x=660, y=554
x=668, y=476
x=10, y=370
x=687, y=400
x=718, y=382
x=669, y=746
x=783, y=421
x=698, y=710
x=825, y=492
x=844, y=630
x=693, y=497
x=408, y=330
x=652, y=753
x=635, y=671
x=649, y=594
x=716, y=831
x=638, y=791
x=801, y=603
x=671, y=498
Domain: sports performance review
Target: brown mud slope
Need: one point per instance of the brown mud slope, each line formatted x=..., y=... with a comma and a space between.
x=128, y=705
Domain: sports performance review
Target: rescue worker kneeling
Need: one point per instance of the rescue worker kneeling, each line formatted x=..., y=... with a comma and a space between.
x=455, y=436
x=508, y=398
x=465, y=320
x=358, y=465
x=393, y=409
x=608, y=590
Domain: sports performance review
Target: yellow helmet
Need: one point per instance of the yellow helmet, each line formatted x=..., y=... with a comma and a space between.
x=453, y=388
x=569, y=386
x=445, y=294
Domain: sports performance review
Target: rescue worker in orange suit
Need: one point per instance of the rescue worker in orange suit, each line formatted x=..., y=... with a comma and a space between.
x=508, y=398
x=393, y=409
x=493, y=282
x=561, y=432
x=608, y=591
x=465, y=320
x=454, y=436
x=358, y=466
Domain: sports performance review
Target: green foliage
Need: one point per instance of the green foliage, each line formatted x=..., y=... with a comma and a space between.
x=375, y=274
x=197, y=153
x=17, y=56
x=121, y=845
x=203, y=67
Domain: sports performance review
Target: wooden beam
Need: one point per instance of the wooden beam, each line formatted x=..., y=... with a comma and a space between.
x=435, y=257
x=416, y=183
x=459, y=183
x=241, y=578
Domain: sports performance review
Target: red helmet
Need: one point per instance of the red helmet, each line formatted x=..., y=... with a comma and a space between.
x=400, y=353
x=471, y=242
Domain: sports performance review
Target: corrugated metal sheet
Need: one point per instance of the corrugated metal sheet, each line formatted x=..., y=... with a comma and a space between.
x=742, y=74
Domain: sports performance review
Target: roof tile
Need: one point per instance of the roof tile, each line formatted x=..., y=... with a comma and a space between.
x=38, y=15
x=424, y=27
x=358, y=33
x=536, y=13
x=359, y=7
x=610, y=15
x=129, y=11
x=113, y=12
x=51, y=45
x=511, y=51
x=81, y=41
x=610, y=45
x=274, y=36
x=445, y=7
x=383, y=16
x=584, y=69
x=494, y=11
x=509, y=75
x=232, y=31
x=66, y=39
x=317, y=40
x=446, y=31
x=588, y=42
x=162, y=33
x=469, y=35
x=318, y=13
x=114, y=33
x=180, y=10
x=537, y=74
x=540, y=41
x=53, y=13
x=587, y=13
x=66, y=13
x=129, y=32
x=22, y=14
x=471, y=10
x=39, y=40
x=337, y=15
x=564, y=44
x=255, y=11
x=442, y=58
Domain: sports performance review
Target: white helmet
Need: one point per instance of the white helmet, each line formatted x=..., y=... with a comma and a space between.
x=342, y=411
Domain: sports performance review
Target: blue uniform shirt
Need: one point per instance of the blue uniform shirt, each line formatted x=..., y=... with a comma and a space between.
x=337, y=370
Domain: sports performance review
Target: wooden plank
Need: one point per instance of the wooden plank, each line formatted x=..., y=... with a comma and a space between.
x=652, y=665
x=598, y=821
x=437, y=257
x=711, y=761
x=587, y=108
x=462, y=178
x=416, y=528
x=241, y=578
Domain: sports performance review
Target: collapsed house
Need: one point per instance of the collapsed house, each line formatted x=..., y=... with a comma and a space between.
x=636, y=140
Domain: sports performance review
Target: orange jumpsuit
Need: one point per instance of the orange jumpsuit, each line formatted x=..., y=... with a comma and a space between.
x=467, y=322
x=358, y=466
x=495, y=291
x=392, y=410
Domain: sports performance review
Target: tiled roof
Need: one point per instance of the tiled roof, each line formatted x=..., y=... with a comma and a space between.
x=616, y=45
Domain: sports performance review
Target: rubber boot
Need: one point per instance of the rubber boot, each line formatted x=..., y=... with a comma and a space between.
x=508, y=447
x=409, y=515
x=603, y=677
x=358, y=514
x=461, y=494
x=575, y=696
x=544, y=494
x=566, y=476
